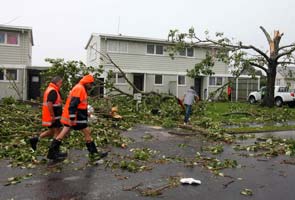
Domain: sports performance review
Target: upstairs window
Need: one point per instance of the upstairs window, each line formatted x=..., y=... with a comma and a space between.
x=155, y=49
x=9, y=38
x=189, y=52
x=12, y=38
x=159, y=49
x=117, y=46
x=2, y=37
x=182, y=52
x=150, y=49
x=158, y=79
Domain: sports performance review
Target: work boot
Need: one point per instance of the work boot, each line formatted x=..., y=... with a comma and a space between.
x=94, y=154
x=33, y=141
x=54, y=151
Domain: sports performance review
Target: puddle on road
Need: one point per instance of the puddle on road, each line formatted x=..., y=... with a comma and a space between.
x=260, y=125
x=71, y=178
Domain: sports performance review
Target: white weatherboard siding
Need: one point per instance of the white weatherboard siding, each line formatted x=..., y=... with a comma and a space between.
x=92, y=55
x=17, y=54
x=16, y=57
x=163, y=88
x=6, y=87
x=130, y=53
x=138, y=59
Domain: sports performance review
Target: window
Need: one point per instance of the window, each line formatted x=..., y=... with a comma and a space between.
x=215, y=81
x=189, y=52
x=9, y=38
x=1, y=74
x=2, y=37
x=150, y=49
x=123, y=47
x=159, y=49
x=155, y=49
x=12, y=38
x=112, y=77
x=116, y=78
x=112, y=46
x=181, y=80
x=8, y=74
x=218, y=80
x=182, y=52
x=117, y=46
x=283, y=89
x=158, y=79
x=120, y=78
x=212, y=81
x=11, y=74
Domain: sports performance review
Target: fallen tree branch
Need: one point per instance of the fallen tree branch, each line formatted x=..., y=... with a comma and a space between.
x=195, y=129
x=154, y=192
x=239, y=113
x=132, y=187
x=289, y=162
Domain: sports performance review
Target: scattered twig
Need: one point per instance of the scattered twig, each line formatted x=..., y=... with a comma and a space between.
x=289, y=162
x=228, y=183
x=259, y=159
x=154, y=192
x=130, y=188
x=238, y=113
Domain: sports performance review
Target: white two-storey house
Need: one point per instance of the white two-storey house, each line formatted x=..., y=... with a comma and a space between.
x=149, y=66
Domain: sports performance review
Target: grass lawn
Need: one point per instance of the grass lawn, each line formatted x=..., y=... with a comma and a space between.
x=244, y=117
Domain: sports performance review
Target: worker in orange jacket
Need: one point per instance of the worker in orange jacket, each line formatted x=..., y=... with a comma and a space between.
x=75, y=116
x=51, y=112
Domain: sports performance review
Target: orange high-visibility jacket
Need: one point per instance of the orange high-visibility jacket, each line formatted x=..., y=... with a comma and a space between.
x=57, y=106
x=75, y=110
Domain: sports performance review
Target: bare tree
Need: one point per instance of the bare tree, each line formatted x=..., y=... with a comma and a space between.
x=240, y=56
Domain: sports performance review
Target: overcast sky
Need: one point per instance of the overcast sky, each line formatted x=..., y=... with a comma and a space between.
x=61, y=28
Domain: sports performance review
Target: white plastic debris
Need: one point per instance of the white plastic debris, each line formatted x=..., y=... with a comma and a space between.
x=190, y=181
x=91, y=117
x=99, y=162
x=90, y=109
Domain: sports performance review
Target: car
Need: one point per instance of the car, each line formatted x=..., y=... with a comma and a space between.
x=282, y=96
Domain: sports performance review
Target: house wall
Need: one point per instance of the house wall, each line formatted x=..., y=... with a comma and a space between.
x=138, y=59
x=16, y=57
x=20, y=54
x=92, y=55
x=7, y=87
x=164, y=88
x=125, y=87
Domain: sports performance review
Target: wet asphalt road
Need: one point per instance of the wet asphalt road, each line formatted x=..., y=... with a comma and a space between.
x=268, y=179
